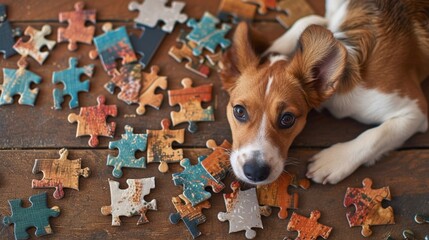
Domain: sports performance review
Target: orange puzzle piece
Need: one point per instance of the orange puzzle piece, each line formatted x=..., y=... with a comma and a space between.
x=293, y=10
x=217, y=163
x=308, y=228
x=263, y=5
x=150, y=82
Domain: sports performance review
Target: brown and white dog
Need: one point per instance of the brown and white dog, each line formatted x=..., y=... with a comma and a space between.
x=365, y=59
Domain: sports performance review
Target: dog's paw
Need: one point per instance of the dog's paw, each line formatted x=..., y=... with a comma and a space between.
x=333, y=164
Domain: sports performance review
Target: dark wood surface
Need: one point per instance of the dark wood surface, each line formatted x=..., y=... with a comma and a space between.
x=28, y=133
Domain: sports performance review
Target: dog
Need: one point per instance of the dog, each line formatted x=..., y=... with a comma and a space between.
x=365, y=59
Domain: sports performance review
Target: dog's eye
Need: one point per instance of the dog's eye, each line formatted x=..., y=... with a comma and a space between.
x=240, y=113
x=286, y=120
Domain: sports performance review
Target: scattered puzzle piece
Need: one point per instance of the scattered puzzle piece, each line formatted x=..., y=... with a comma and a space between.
x=127, y=146
x=408, y=235
x=420, y=219
x=276, y=195
x=129, y=81
x=147, y=43
x=7, y=34
x=151, y=81
x=237, y=9
x=37, y=215
x=308, y=228
x=217, y=164
x=152, y=11
x=18, y=82
x=189, y=98
x=77, y=31
x=293, y=10
x=35, y=43
x=191, y=216
x=130, y=202
x=113, y=45
x=263, y=5
x=369, y=211
x=215, y=60
x=59, y=173
x=195, y=179
x=92, y=121
x=70, y=78
x=159, y=145
x=242, y=211
x=195, y=63
x=206, y=35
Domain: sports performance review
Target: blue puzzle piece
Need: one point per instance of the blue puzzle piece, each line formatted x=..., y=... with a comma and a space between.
x=6, y=34
x=128, y=145
x=195, y=179
x=190, y=223
x=17, y=82
x=35, y=216
x=147, y=43
x=206, y=35
x=72, y=84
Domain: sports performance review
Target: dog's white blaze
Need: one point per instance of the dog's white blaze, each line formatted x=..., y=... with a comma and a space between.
x=276, y=58
x=336, y=19
x=270, y=82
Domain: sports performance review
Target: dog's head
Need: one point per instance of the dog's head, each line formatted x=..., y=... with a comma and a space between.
x=270, y=99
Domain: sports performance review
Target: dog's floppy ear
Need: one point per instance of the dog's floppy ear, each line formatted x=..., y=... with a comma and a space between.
x=319, y=64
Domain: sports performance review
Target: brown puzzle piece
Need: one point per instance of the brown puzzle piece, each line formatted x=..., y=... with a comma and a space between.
x=369, y=211
x=215, y=60
x=294, y=10
x=92, y=121
x=59, y=173
x=159, y=145
x=150, y=82
x=238, y=9
x=77, y=31
x=276, y=194
x=308, y=228
x=129, y=81
x=217, y=163
x=263, y=5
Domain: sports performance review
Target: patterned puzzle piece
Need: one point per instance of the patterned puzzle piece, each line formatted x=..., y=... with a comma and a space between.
x=92, y=121
x=18, y=82
x=130, y=202
x=369, y=211
x=276, y=195
x=152, y=11
x=215, y=61
x=206, y=35
x=127, y=146
x=59, y=173
x=147, y=43
x=194, y=180
x=37, y=215
x=70, y=78
x=308, y=228
x=7, y=34
x=263, y=5
x=77, y=31
x=242, y=211
x=189, y=98
x=237, y=9
x=195, y=63
x=35, y=43
x=129, y=81
x=217, y=164
x=159, y=145
x=293, y=10
x=151, y=81
x=113, y=45
x=191, y=216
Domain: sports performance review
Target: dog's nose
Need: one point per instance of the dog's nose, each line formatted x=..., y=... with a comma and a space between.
x=255, y=171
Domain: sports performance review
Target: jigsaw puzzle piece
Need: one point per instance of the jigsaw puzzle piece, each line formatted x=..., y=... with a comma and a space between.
x=92, y=121
x=33, y=46
x=129, y=81
x=130, y=202
x=293, y=10
x=264, y=5
x=159, y=145
x=308, y=228
x=152, y=11
x=192, y=216
x=113, y=45
x=217, y=164
x=420, y=219
x=190, y=98
x=238, y=10
x=369, y=211
x=7, y=34
x=214, y=60
x=195, y=63
x=127, y=146
x=77, y=31
x=37, y=215
x=70, y=78
x=195, y=179
x=206, y=35
x=242, y=211
x=18, y=82
x=151, y=81
x=147, y=43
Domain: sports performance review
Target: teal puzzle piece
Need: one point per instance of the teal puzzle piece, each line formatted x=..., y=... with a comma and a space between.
x=128, y=145
x=206, y=35
x=17, y=82
x=70, y=78
x=35, y=216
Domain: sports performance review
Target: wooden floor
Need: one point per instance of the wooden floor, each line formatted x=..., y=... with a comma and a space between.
x=27, y=133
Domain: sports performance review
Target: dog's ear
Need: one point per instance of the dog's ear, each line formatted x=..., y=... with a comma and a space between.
x=247, y=44
x=319, y=63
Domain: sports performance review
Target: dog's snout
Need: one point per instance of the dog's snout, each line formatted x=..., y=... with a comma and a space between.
x=255, y=171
